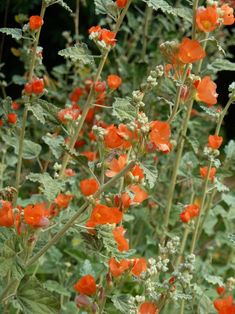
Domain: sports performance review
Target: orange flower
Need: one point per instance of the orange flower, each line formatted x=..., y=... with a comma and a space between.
x=185, y=216
x=112, y=138
x=122, y=243
x=6, y=214
x=121, y=3
x=193, y=210
x=117, y=268
x=108, y=37
x=35, y=22
x=140, y=266
x=12, y=118
x=207, y=18
x=139, y=194
x=76, y=94
x=206, y=91
x=215, y=141
x=220, y=290
x=102, y=214
x=228, y=16
x=94, y=29
x=36, y=215
x=204, y=170
x=137, y=172
x=125, y=200
x=91, y=156
x=126, y=135
x=160, y=134
x=37, y=86
x=114, y=81
x=225, y=306
x=190, y=51
x=116, y=165
x=62, y=200
x=89, y=186
x=148, y=308
x=86, y=285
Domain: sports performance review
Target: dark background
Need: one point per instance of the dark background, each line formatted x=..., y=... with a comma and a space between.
x=59, y=20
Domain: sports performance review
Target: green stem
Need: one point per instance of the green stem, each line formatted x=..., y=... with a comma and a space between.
x=182, y=247
x=195, y=6
x=76, y=20
x=204, y=194
x=178, y=93
x=179, y=152
x=72, y=220
x=20, y=155
x=25, y=113
x=182, y=307
x=147, y=20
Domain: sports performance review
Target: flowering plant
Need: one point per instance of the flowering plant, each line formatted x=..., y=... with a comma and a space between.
x=115, y=185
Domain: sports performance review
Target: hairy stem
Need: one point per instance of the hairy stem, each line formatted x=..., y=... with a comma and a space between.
x=25, y=113
x=147, y=20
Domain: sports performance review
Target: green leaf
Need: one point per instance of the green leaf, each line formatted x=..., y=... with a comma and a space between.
x=15, y=33
x=31, y=150
x=9, y=260
x=123, y=109
x=60, y=2
x=87, y=268
x=50, y=187
x=38, y=112
x=166, y=8
x=106, y=7
x=214, y=280
x=221, y=65
x=232, y=238
x=55, y=144
x=50, y=110
x=79, y=52
x=121, y=303
x=32, y=298
x=151, y=175
x=54, y=286
x=210, y=224
x=18, y=80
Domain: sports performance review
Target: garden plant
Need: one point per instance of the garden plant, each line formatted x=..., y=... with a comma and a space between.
x=117, y=186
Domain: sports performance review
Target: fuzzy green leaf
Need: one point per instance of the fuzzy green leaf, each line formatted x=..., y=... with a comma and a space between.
x=32, y=298
x=166, y=8
x=214, y=280
x=106, y=7
x=54, y=143
x=38, y=112
x=60, y=2
x=15, y=33
x=54, y=286
x=151, y=175
x=79, y=52
x=31, y=150
x=9, y=260
x=221, y=65
x=123, y=109
x=50, y=187
x=121, y=303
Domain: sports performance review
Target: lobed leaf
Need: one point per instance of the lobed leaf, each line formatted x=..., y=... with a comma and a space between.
x=166, y=8
x=15, y=33
x=79, y=52
x=123, y=109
